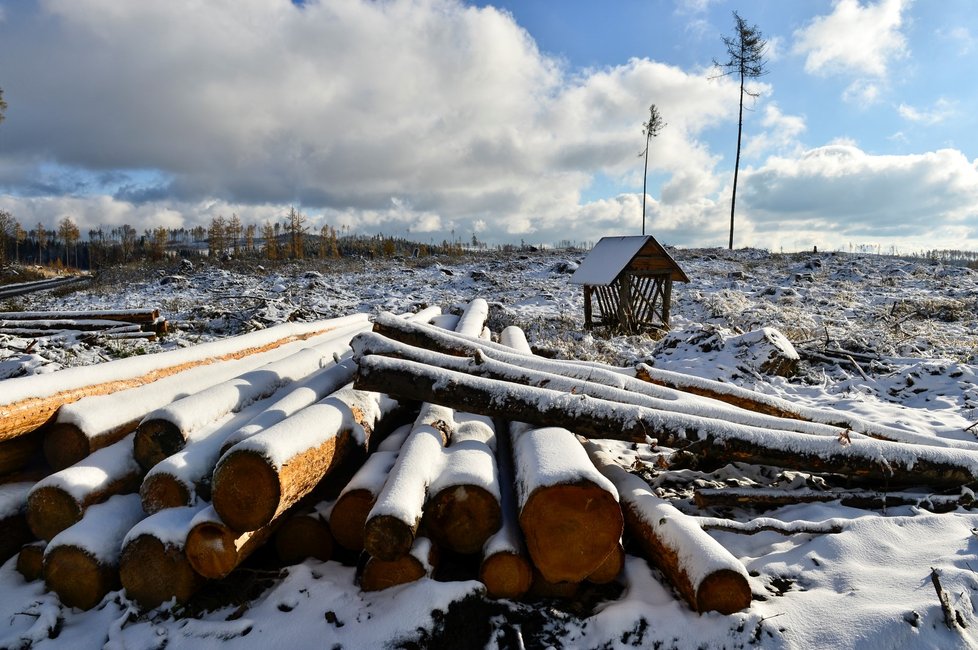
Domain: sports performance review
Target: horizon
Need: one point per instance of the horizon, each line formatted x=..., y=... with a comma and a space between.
x=510, y=121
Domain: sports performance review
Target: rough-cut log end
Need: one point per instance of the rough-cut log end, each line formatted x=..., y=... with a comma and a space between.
x=50, y=510
x=506, y=575
x=383, y=574
x=246, y=490
x=570, y=529
x=15, y=534
x=79, y=579
x=30, y=561
x=388, y=538
x=161, y=491
x=543, y=588
x=348, y=518
x=462, y=518
x=610, y=568
x=212, y=550
x=724, y=591
x=155, y=440
x=153, y=572
x=64, y=445
x=302, y=537
x=19, y=452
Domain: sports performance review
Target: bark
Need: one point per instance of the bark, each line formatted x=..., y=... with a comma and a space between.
x=301, y=536
x=419, y=562
x=28, y=409
x=59, y=501
x=891, y=463
x=30, y=561
x=259, y=478
x=568, y=512
x=704, y=573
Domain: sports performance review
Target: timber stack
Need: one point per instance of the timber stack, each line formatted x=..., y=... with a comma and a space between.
x=106, y=324
x=412, y=446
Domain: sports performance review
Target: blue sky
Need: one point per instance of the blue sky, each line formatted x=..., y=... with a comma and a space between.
x=517, y=120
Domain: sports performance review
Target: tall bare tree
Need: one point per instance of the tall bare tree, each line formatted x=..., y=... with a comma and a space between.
x=650, y=130
x=20, y=236
x=42, y=242
x=297, y=230
x=69, y=234
x=747, y=50
x=8, y=231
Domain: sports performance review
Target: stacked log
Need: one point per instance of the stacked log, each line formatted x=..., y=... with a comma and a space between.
x=305, y=535
x=81, y=563
x=13, y=518
x=214, y=549
x=30, y=561
x=420, y=561
x=60, y=500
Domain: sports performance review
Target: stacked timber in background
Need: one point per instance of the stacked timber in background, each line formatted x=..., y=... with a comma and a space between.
x=108, y=324
x=173, y=471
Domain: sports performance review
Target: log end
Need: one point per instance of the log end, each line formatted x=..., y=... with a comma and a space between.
x=462, y=518
x=302, y=537
x=506, y=575
x=50, y=510
x=725, y=591
x=30, y=561
x=570, y=529
x=161, y=491
x=610, y=569
x=64, y=445
x=246, y=490
x=152, y=572
x=387, y=538
x=382, y=574
x=16, y=533
x=211, y=550
x=348, y=518
x=155, y=440
x=79, y=579
x=543, y=588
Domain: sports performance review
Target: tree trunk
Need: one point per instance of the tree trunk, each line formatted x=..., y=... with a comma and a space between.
x=214, y=549
x=568, y=511
x=261, y=477
x=704, y=573
x=463, y=510
x=740, y=131
x=304, y=535
x=60, y=500
x=419, y=562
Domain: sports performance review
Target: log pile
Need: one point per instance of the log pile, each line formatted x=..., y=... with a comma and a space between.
x=106, y=324
x=492, y=463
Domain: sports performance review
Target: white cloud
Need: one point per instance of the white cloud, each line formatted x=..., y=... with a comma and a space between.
x=780, y=133
x=941, y=111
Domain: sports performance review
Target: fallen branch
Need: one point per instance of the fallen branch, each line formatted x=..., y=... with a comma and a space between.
x=761, y=524
x=768, y=498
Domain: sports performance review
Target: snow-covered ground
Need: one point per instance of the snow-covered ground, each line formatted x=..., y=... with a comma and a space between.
x=910, y=327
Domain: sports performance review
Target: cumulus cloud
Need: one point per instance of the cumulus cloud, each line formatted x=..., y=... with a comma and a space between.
x=858, y=40
x=941, y=111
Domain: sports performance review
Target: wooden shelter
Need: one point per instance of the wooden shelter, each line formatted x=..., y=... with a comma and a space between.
x=630, y=279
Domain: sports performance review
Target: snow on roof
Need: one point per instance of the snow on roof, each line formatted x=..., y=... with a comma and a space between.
x=611, y=255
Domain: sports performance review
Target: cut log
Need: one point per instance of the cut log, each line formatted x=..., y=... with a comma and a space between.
x=60, y=500
x=892, y=462
x=30, y=561
x=304, y=535
x=95, y=422
x=214, y=550
x=13, y=518
x=46, y=325
x=153, y=567
x=543, y=588
x=29, y=402
x=20, y=452
x=473, y=319
x=569, y=512
x=125, y=315
x=81, y=564
x=761, y=499
x=704, y=573
x=769, y=524
x=611, y=568
x=419, y=562
x=166, y=430
x=259, y=478
x=394, y=519
x=348, y=516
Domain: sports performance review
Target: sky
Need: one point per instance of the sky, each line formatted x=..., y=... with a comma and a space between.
x=515, y=121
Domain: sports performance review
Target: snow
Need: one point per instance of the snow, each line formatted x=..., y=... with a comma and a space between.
x=102, y=528
x=97, y=471
x=607, y=259
x=13, y=498
x=170, y=526
x=867, y=586
x=557, y=458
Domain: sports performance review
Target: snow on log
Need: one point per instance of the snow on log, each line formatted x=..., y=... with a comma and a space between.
x=770, y=524
x=348, y=515
x=78, y=325
x=28, y=402
x=30, y=561
x=153, y=567
x=462, y=510
x=165, y=431
x=473, y=319
x=704, y=573
x=393, y=521
x=760, y=499
x=304, y=535
x=95, y=422
x=419, y=562
x=569, y=511
x=214, y=549
x=126, y=315
x=722, y=441
x=506, y=570
x=14, y=531
x=59, y=500
x=259, y=478
x=81, y=563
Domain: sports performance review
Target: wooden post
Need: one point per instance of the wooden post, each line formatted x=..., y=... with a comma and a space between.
x=666, y=300
x=624, y=303
x=588, y=323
